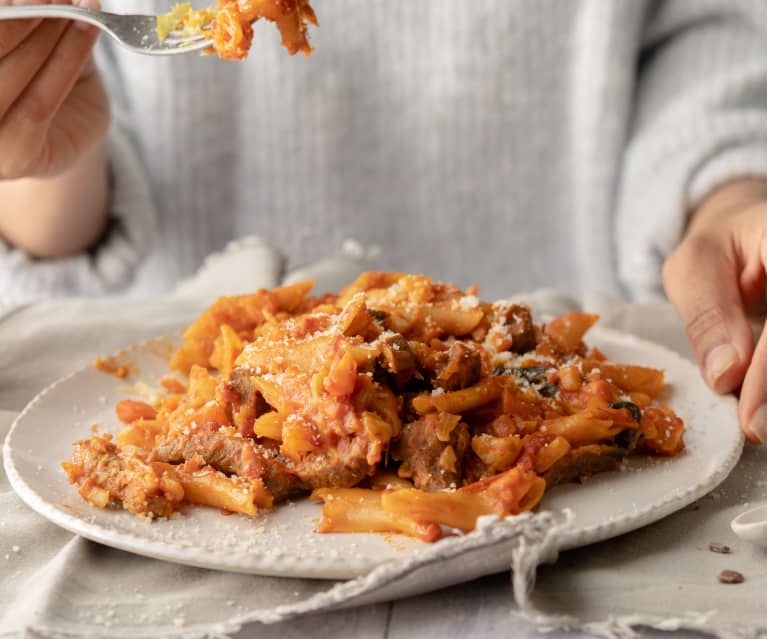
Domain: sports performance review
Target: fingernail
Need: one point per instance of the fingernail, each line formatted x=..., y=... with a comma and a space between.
x=757, y=425
x=719, y=361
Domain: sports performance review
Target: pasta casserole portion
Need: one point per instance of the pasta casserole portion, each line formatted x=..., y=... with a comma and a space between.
x=403, y=404
x=230, y=24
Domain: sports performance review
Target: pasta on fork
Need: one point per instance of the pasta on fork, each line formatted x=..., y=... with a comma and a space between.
x=230, y=24
x=403, y=404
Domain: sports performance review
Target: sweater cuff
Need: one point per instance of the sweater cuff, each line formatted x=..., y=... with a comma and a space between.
x=663, y=181
x=108, y=268
x=747, y=161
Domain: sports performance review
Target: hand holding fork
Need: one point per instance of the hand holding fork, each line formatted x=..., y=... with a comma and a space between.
x=53, y=106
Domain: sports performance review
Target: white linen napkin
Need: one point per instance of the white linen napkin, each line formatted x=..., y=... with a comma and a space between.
x=56, y=585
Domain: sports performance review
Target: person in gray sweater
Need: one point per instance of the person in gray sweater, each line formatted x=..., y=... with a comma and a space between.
x=588, y=144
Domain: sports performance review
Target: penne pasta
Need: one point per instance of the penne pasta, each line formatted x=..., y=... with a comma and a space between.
x=141, y=433
x=509, y=493
x=629, y=378
x=269, y=425
x=567, y=331
x=404, y=405
x=209, y=487
x=459, y=401
x=582, y=428
x=360, y=510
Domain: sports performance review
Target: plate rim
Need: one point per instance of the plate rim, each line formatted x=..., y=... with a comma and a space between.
x=580, y=536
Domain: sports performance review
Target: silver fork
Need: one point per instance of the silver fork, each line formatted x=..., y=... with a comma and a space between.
x=135, y=32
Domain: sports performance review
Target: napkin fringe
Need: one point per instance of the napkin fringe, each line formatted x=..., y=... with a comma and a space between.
x=530, y=539
x=534, y=535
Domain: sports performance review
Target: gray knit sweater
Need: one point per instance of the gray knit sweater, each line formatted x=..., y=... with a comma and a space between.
x=508, y=143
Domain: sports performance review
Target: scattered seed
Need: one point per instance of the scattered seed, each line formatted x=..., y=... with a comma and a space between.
x=720, y=548
x=731, y=577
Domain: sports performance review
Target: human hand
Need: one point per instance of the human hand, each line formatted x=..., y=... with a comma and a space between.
x=53, y=107
x=715, y=278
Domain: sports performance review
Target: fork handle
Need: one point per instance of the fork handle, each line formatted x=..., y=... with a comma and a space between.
x=52, y=11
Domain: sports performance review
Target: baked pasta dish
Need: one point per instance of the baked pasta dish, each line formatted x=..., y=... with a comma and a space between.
x=403, y=404
x=230, y=24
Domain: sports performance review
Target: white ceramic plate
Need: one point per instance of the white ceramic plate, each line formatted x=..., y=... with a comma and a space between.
x=283, y=543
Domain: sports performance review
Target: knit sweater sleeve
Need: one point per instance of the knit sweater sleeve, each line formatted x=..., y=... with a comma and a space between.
x=110, y=266
x=700, y=120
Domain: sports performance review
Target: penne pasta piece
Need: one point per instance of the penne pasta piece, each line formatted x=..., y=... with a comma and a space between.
x=129, y=411
x=209, y=487
x=454, y=321
x=341, y=378
x=663, y=431
x=364, y=354
x=272, y=392
x=298, y=439
x=269, y=425
x=355, y=318
x=366, y=282
x=457, y=402
x=550, y=454
x=291, y=296
x=499, y=453
x=359, y=510
x=582, y=428
x=268, y=356
x=172, y=385
x=202, y=385
x=383, y=403
x=388, y=479
x=142, y=434
x=434, y=320
x=244, y=313
x=226, y=349
x=377, y=427
x=567, y=331
x=509, y=493
x=629, y=378
x=570, y=378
